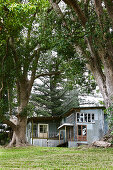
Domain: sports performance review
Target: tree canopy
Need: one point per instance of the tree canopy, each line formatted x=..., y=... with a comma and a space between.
x=89, y=30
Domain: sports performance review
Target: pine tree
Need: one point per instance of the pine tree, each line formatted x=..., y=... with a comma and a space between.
x=52, y=96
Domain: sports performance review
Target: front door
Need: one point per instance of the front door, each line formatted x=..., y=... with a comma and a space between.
x=82, y=133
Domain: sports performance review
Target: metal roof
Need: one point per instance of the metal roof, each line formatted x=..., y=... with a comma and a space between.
x=44, y=118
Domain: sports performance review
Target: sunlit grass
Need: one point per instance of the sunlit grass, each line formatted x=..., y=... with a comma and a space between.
x=56, y=158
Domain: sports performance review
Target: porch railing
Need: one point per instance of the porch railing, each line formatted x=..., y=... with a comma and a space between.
x=49, y=135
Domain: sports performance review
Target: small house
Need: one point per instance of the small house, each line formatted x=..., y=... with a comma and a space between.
x=78, y=126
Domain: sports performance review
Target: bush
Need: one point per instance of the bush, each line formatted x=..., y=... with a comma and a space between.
x=4, y=139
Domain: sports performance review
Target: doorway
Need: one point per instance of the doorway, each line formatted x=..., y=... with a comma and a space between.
x=82, y=132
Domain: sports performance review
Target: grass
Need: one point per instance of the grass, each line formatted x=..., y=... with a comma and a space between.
x=56, y=158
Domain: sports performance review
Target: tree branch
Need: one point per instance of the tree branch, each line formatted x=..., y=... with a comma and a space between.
x=98, y=7
x=86, y=7
x=29, y=30
x=9, y=123
x=94, y=65
x=16, y=58
x=1, y=87
x=31, y=81
x=58, y=11
x=50, y=9
x=77, y=9
x=109, y=6
x=56, y=8
x=48, y=74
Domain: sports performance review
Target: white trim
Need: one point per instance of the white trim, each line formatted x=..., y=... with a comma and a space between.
x=84, y=117
x=85, y=123
x=65, y=124
x=84, y=142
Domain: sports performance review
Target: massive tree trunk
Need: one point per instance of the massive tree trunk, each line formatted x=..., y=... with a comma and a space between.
x=19, y=132
x=20, y=121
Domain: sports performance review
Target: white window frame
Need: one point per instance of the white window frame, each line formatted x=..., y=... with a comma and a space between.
x=84, y=117
x=39, y=128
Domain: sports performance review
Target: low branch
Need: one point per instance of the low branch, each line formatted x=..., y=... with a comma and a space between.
x=9, y=123
x=47, y=74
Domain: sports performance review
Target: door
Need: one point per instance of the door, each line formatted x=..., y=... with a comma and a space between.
x=82, y=133
x=43, y=130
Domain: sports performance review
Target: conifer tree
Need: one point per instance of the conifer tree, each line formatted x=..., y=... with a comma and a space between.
x=52, y=96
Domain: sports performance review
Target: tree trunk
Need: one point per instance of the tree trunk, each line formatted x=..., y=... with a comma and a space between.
x=19, y=132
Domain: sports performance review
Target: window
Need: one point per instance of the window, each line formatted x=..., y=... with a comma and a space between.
x=89, y=118
x=79, y=130
x=81, y=117
x=78, y=117
x=35, y=133
x=85, y=117
x=84, y=130
x=43, y=130
x=93, y=118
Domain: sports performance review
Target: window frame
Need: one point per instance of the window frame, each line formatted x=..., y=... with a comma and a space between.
x=35, y=131
x=81, y=137
x=43, y=132
x=82, y=117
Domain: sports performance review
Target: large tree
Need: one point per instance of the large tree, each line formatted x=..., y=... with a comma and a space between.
x=26, y=33
x=25, y=37
x=89, y=28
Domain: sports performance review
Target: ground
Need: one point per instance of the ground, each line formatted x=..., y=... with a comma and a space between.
x=56, y=158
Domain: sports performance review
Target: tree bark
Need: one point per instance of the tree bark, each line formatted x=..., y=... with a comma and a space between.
x=20, y=121
x=19, y=132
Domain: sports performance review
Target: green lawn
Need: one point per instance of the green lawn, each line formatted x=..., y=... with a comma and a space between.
x=56, y=158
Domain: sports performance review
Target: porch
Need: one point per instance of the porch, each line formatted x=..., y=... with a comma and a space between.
x=67, y=133
x=43, y=131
